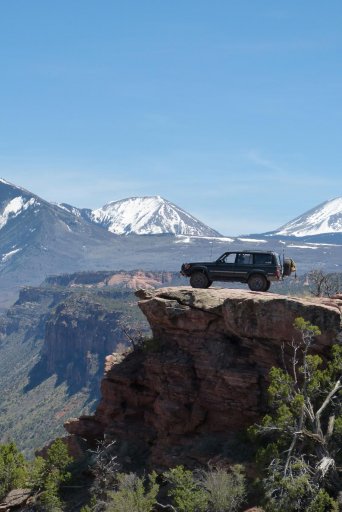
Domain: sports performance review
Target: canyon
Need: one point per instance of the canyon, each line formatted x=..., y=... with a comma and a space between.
x=53, y=344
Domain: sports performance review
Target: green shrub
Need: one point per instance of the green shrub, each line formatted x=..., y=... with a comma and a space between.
x=226, y=490
x=134, y=494
x=186, y=493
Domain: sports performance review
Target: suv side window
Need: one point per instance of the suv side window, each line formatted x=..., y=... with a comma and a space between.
x=230, y=258
x=244, y=259
x=263, y=259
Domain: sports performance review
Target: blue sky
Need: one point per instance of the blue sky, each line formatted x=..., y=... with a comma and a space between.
x=229, y=108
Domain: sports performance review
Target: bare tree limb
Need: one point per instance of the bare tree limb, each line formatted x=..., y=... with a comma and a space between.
x=326, y=402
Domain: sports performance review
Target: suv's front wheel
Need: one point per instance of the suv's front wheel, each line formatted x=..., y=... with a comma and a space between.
x=258, y=283
x=199, y=280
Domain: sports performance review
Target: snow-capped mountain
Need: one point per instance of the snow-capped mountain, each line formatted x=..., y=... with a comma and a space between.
x=13, y=201
x=38, y=238
x=326, y=218
x=149, y=215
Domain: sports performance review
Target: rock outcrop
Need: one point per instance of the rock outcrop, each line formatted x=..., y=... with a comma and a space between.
x=186, y=394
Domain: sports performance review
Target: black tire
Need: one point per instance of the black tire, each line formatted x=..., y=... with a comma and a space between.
x=258, y=283
x=268, y=286
x=199, y=280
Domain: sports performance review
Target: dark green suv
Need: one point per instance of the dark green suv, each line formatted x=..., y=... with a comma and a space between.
x=256, y=268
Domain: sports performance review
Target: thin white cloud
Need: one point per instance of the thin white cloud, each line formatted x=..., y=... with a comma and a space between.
x=284, y=173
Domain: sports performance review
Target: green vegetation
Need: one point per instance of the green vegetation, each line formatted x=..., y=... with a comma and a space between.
x=44, y=476
x=49, y=473
x=186, y=493
x=134, y=494
x=226, y=489
x=212, y=490
x=13, y=468
x=300, y=438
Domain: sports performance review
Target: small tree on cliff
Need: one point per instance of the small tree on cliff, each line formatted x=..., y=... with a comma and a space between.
x=48, y=474
x=13, y=468
x=303, y=429
x=186, y=491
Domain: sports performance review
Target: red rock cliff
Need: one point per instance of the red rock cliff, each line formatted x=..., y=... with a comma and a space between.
x=204, y=377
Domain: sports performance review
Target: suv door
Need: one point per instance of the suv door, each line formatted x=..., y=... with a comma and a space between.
x=243, y=265
x=224, y=267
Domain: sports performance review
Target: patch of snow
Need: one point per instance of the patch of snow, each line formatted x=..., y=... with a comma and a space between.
x=210, y=238
x=67, y=226
x=8, y=255
x=184, y=240
x=14, y=208
x=324, y=245
x=216, y=238
x=4, y=182
x=253, y=240
x=61, y=206
x=302, y=246
x=73, y=210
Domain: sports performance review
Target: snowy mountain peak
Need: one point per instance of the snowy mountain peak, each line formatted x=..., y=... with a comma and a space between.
x=14, y=208
x=14, y=201
x=148, y=215
x=324, y=218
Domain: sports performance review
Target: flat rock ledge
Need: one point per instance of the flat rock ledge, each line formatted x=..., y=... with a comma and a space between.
x=185, y=398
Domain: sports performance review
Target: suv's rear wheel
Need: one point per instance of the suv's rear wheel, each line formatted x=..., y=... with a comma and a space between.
x=258, y=283
x=199, y=280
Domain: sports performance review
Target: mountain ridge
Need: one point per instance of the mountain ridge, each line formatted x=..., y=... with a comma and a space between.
x=323, y=219
x=145, y=215
x=38, y=239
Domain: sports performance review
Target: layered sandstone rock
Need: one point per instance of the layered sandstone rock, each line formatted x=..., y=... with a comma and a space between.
x=186, y=395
